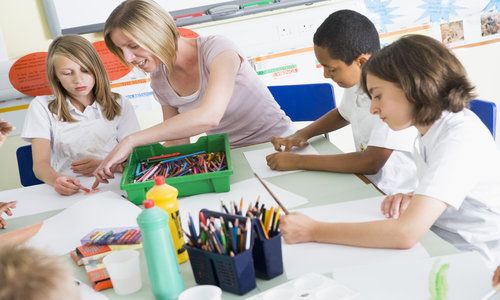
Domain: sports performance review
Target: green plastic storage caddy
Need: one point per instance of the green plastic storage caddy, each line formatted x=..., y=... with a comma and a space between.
x=187, y=185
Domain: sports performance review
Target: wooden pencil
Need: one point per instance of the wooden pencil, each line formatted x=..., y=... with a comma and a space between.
x=272, y=194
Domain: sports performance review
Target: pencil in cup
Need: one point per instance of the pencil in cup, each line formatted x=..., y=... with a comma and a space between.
x=266, y=250
x=268, y=219
x=217, y=260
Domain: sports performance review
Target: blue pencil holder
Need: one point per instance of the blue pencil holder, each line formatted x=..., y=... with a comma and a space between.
x=202, y=266
x=234, y=274
x=267, y=255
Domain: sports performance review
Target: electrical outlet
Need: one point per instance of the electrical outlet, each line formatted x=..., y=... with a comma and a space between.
x=284, y=31
x=305, y=28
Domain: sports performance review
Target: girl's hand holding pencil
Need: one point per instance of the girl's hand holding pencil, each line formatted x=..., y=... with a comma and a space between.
x=297, y=228
x=66, y=185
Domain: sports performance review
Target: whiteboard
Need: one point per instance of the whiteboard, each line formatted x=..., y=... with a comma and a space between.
x=78, y=17
x=66, y=15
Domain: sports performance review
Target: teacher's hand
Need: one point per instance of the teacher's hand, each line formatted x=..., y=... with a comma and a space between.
x=117, y=156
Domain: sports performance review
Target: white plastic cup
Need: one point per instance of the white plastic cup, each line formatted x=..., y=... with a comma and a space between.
x=205, y=292
x=124, y=270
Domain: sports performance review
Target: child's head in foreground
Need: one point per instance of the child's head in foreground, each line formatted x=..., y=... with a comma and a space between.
x=343, y=43
x=29, y=274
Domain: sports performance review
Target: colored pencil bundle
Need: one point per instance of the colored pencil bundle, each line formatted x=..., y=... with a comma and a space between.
x=113, y=236
x=99, y=243
x=222, y=235
x=269, y=219
x=175, y=164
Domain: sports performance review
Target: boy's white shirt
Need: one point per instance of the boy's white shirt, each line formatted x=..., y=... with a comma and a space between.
x=398, y=175
x=458, y=162
x=92, y=134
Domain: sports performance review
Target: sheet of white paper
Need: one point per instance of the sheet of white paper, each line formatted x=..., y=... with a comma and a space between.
x=315, y=257
x=249, y=189
x=467, y=277
x=62, y=232
x=88, y=293
x=257, y=160
x=42, y=197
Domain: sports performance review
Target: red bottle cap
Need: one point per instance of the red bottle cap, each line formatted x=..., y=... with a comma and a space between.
x=159, y=180
x=148, y=203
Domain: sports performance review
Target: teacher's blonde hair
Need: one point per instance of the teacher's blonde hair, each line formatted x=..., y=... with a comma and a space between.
x=149, y=25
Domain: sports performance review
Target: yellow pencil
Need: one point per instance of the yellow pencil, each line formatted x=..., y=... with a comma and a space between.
x=277, y=213
x=272, y=194
x=269, y=215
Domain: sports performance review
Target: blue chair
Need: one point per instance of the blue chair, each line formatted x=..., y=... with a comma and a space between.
x=305, y=102
x=487, y=112
x=25, y=165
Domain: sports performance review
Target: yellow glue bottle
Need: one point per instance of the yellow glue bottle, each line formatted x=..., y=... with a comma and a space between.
x=165, y=197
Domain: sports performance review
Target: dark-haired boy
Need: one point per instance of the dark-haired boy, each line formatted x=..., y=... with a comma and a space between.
x=342, y=44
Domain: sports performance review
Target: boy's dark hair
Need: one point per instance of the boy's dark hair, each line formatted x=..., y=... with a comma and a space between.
x=347, y=34
x=431, y=77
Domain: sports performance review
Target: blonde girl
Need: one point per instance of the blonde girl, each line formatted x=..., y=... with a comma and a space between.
x=74, y=129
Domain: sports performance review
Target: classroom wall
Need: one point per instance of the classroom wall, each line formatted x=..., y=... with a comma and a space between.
x=24, y=29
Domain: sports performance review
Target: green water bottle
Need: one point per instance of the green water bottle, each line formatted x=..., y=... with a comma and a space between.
x=163, y=269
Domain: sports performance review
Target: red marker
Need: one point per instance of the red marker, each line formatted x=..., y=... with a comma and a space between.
x=191, y=15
